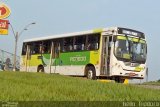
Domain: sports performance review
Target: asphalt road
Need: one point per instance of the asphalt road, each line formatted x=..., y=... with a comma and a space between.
x=149, y=86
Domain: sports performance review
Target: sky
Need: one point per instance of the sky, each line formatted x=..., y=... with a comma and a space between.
x=64, y=16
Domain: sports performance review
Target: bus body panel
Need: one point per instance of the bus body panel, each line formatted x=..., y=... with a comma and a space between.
x=69, y=63
x=118, y=68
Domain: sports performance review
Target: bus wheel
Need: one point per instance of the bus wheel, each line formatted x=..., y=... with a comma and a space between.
x=119, y=80
x=40, y=69
x=91, y=73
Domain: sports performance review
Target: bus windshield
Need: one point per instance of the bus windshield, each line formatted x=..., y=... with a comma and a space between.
x=130, y=49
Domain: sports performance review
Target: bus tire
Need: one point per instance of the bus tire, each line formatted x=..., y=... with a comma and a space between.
x=119, y=80
x=40, y=69
x=91, y=73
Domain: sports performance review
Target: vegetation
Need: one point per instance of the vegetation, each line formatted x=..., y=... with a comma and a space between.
x=24, y=86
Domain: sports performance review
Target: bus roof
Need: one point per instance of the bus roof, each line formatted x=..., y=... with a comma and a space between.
x=59, y=36
x=73, y=34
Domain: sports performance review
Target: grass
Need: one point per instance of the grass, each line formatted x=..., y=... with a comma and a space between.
x=23, y=86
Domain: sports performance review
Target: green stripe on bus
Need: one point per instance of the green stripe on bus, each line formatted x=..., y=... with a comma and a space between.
x=75, y=58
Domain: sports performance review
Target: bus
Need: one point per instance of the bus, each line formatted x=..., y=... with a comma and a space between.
x=114, y=53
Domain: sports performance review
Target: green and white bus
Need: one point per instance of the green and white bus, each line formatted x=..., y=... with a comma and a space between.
x=113, y=53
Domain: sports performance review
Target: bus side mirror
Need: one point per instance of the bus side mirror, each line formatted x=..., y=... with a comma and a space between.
x=146, y=48
x=114, y=38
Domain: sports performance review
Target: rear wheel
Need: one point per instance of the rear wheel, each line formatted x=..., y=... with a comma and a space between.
x=91, y=73
x=40, y=69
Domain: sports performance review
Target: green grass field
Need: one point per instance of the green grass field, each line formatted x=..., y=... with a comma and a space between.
x=23, y=86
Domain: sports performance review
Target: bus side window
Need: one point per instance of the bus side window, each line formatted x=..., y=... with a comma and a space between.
x=24, y=49
x=68, y=44
x=46, y=47
x=93, y=42
x=35, y=48
x=79, y=43
x=62, y=45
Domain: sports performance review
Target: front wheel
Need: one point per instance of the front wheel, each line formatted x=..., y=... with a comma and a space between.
x=91, y=73
x=119, y=80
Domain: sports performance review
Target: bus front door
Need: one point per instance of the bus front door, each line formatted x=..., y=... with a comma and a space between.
x=105, y=57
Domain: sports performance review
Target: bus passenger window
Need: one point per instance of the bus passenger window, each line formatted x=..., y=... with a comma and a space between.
x=46, y=47
x=93, y=42
x=24, y=49
x=35, y=48
x=68, y=44
x=79, y=43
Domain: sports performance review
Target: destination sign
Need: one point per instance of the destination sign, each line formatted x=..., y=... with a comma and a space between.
x=130, y=32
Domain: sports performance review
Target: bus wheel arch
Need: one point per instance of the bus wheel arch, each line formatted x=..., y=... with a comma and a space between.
x=40, y=68
x=90, y=71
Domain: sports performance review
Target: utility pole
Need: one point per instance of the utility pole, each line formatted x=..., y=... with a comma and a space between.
x=15, y=52
x=16, y=36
